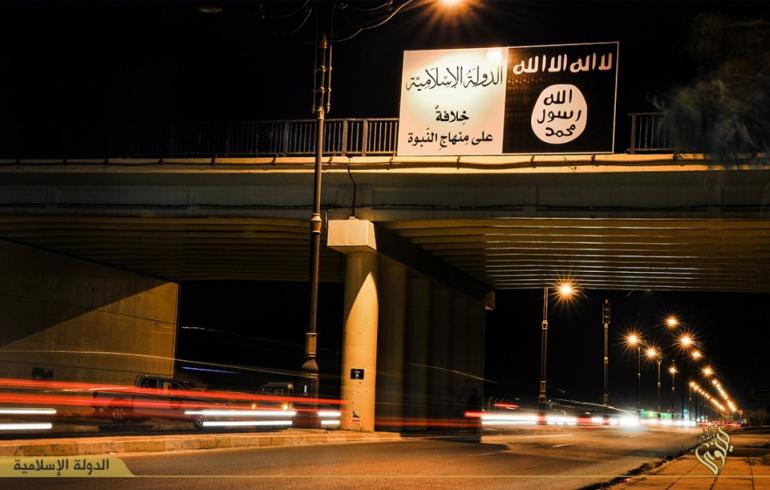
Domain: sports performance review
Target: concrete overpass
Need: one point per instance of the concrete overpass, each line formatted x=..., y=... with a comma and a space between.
x=432, y=240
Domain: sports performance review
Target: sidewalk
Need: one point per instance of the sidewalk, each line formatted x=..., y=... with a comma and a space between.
x=79, y=446
x=748, y=467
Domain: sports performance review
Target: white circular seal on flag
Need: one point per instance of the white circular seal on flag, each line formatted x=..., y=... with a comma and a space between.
x=560, y=114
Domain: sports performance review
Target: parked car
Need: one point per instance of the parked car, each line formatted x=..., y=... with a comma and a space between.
x=159, y=397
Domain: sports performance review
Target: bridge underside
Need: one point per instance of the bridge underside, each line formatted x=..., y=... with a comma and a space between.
x=663, y=222
x=503, y=253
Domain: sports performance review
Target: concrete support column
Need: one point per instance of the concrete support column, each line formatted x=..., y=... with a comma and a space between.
x=459, y=356
x=390, y=350
x=439, y=353
x=476, y=345
x=416, y=381
x=359, y=341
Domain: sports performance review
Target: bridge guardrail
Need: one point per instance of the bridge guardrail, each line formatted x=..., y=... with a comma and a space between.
x=295, y=137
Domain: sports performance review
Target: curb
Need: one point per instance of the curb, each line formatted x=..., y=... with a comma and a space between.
x=143, y=444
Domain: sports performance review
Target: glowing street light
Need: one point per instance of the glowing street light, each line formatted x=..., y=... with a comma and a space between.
x=696, y=354
x=686, y=340
x=450, y=3
x=672, y=322
x=652, y=354
x=707, y=371
x=565, y=290
x=634, y=341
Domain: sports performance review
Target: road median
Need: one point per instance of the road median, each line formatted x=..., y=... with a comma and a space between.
x=80, y=446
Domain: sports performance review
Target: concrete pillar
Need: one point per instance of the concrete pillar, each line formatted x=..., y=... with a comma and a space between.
x=390, y=350
x=476, y=345
x=359, y=341
x=459, y=357
x=416, y=381
x=54, y=307
x=439, y=353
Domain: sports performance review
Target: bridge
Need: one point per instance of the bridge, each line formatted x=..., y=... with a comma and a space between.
x=119, y=216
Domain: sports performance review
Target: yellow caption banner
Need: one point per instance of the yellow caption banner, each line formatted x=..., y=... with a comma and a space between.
x=63, y=466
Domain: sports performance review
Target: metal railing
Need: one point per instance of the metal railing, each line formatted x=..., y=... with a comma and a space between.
x=345, y=137
x=648, y=134
x=348, y=137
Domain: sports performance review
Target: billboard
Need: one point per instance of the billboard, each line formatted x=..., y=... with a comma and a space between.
x=509, y=100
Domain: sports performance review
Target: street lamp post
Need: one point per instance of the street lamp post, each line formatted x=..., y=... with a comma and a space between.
x=672, y=370
x=653, y=354
x=658, y=406
x=564, y=290
x=542, y=397
x=322, y=77
x=606, y=315
x=633, y=340
x=321, y=105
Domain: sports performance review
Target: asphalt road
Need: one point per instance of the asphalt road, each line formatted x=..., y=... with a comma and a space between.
x=537, y=458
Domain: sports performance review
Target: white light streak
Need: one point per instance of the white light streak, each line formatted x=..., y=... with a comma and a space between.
x=242, y=413
x=27, y=426
x=329, y=413
x=247, y=423
x=27, y=411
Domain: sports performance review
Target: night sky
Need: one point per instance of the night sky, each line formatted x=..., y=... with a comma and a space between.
x=100, y=62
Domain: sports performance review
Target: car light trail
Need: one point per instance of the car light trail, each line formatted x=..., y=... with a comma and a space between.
x=27, y=411
x=242, y=413
x=560, y=420
x=597, y=420
x=328, y=423
x=329, y=413
x=225, y=395
x=507, y=419
x=628, y=421
x=246, y=423
x=27, y=426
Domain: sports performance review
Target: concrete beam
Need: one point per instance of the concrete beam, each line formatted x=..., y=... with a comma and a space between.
x=353, y=235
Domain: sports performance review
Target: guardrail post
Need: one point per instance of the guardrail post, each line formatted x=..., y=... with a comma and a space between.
x=285, y=143
x=364, y=136
x=344, y=142
x=632, y=147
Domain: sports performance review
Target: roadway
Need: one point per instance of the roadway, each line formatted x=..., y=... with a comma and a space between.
x=558, y=458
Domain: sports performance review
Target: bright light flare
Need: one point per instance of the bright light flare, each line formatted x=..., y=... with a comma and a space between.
x=450, y=3
x=651, y=353
x=696, y=354
x=686, y=340
x=628, y=421
x=708, y=371
x=495, y=56
x=633, y=339
x=565, y=289
x=672, y=370
x=672, y=322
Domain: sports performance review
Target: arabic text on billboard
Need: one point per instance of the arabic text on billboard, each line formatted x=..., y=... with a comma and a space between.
x=515, y=100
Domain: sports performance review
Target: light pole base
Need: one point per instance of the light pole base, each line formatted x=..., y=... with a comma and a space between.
x=307, y=415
